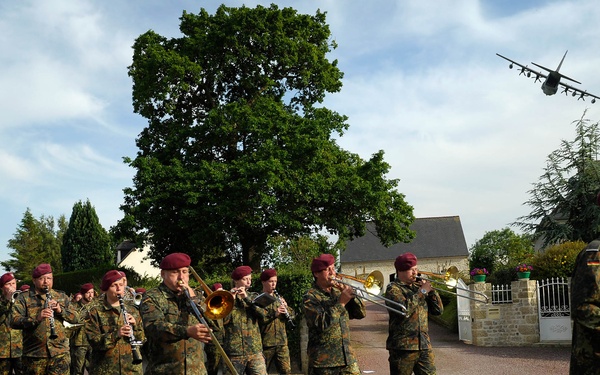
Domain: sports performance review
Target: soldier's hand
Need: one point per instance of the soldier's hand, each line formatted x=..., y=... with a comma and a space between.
x=130, y=319
x=125, y=331
x=347, y=294
x=199, y=332
x=44, y=314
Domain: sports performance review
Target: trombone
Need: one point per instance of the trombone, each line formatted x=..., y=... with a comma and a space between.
x=218, y=305
x=370, y=289
x=450, y=278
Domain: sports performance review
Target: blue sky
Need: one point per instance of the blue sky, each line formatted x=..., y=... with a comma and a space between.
x=464, y=134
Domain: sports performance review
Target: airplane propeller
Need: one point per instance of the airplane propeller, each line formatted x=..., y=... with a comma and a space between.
x=566, y=91
x=537, y=78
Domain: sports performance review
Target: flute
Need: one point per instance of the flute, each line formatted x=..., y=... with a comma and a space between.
x=137, y=356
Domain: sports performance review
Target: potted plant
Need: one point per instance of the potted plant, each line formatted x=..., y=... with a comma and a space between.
x=523, y=271
x=479, y=274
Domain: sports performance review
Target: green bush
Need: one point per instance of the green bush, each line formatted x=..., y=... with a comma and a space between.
x=556, y=260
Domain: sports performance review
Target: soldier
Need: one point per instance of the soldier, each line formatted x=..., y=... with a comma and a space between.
x=585, y=300
x=272, y=328
x=45, y=341
x=80, y=349
x=408, y=342
x=327, y=307
x=11, y=340
x=242, y=341
x=109, y=335
x=174, y=335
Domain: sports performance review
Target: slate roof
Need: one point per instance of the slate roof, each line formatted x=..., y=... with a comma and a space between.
x=435, y=237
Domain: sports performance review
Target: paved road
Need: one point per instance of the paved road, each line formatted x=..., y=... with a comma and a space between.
x=453, y=357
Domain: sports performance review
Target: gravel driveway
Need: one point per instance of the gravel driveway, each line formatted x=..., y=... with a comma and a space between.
x=453, y=357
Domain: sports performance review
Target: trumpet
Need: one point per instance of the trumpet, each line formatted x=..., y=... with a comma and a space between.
x=370, y=289
x=450, y=278
x=53, y=334
x=14, y=295
x=135, y=344
x=137, y=297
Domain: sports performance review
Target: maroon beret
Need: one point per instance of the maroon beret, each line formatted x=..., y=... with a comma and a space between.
x=267, y=274
x=405, y=262
x=140, y=290
x=6, y=278
x=240, y=272
x=40, y=270
x=24, y=288
x=175, y=261
x=86, y=288
x=322, y=262
x=109, y=278
x=217, y=286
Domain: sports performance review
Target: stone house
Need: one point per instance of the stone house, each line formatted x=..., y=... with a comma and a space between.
x=439, y=243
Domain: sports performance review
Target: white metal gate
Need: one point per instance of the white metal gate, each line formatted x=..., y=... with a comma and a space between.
x=463, y=307
x=554, y=309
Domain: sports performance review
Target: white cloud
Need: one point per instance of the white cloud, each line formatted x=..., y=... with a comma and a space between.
x=465, y=135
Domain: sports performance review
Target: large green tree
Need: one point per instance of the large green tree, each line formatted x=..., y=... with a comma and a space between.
x=564, y=200
x=86, y=244
x=236, y=150
x=35, y=241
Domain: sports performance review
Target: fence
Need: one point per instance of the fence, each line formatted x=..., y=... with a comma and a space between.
x=523, y=313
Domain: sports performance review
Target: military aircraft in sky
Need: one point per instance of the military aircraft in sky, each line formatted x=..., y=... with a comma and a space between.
x=552, y=79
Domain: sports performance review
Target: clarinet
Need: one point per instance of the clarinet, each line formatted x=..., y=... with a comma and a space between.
x=135, y=344
x=53, y=334
x=287, y=313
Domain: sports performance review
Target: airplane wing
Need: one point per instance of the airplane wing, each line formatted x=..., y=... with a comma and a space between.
x=574, y=91
x=524, y=69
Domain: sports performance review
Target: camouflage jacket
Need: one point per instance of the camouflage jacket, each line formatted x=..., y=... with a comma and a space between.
x=77, y=335
x=272, y=328
x=411, y=332
x=166, y=317
x=328, y=331
x=585, y=311
x=241, y=336
x=11, y=339
x=36, y=335
x=111, y=354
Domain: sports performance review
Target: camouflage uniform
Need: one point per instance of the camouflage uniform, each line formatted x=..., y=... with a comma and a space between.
x=166, y=317
x=408, y=341
x=80, y=348
x=585, y=312
x=274, y=338
x=42, y=355
x=241, y=338
x=11, y=342
x=329, y=350
x=111, y=354
x=213, y=357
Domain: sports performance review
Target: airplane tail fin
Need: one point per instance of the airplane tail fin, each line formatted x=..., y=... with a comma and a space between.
x=561, y=61
x=557, y=69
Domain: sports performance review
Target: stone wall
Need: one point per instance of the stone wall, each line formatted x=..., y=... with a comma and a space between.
x=510, y=324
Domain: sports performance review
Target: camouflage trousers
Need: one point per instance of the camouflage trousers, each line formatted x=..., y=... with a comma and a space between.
x=404, y=362
x=280, y=355
x=80, y=359
x=8, y=365
x=57, y=365
x=250, y=365
x=213, y=359
x=339, y=370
